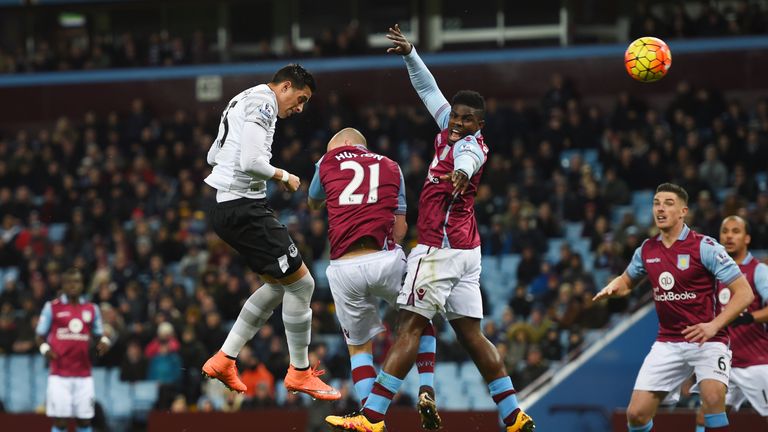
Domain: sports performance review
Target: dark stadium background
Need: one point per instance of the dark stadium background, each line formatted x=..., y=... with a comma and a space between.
x=107, y=109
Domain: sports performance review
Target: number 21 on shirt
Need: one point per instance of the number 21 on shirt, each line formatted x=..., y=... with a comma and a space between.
x=348, y=195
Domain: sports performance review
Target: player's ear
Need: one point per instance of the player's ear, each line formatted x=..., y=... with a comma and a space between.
x=747, y=239
x=286, y=85
x=481, y=123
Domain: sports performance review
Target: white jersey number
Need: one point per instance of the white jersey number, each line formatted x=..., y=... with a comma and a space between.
x=348, y=197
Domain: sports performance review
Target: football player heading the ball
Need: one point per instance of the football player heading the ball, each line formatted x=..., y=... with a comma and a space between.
x=240, y=156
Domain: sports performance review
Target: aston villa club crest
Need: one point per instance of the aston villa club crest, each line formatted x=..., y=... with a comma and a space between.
x=87, y=317
x=683, y=262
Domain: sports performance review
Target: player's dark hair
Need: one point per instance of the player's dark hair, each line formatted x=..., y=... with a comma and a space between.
x=675, y=189
x=747, y=228
x=297, y=75
x=471, y=99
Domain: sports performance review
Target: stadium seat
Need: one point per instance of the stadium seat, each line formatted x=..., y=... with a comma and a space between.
x=470, y=376
x=641, y=201
x=280, y=392
x=56, y=232
x=144, y=396
x=20, y=384
x=101, y=384
x=553, y=249
x=318, y=272
x=3, y=377
x=39, y=377
x=573, y=230
x=119, y=406
x=761, y=178
x=509, y=264
x=618, y=212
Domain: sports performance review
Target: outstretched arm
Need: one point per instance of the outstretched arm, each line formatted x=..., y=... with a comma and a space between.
x=619, y=287
x=622, y=285
x=421, y=79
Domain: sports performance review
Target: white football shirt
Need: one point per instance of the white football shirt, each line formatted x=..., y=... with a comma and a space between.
x=258, y=105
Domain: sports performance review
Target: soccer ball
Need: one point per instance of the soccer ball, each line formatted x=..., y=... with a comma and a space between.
x=647, y=59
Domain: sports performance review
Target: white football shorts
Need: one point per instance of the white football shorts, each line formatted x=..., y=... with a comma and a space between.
x=357, y=285
x=749, y=383
x=70, y=397
x=443, y=281
x=668, y=364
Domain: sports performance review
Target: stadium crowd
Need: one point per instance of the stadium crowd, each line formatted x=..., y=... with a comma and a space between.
x=78, y=49
x=121, y=196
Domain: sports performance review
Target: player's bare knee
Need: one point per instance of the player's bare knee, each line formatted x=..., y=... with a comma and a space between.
x=83, y=422
x=638, y=415
x=60, y=423
x=712, y=402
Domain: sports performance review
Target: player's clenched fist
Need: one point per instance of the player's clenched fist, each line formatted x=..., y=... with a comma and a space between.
x=401, y=44
x=293, y=183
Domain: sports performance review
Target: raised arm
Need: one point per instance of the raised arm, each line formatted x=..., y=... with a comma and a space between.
x=421, y=79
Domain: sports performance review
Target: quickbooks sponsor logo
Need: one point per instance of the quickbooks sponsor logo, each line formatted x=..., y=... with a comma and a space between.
x=668, y=296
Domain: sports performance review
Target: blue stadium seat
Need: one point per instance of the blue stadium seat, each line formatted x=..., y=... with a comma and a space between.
x=101, y=384
x=56, y=232
x=470, y=376
x=553, y=249
x=601, y=277
x=3, y=377
x=482, y=401
x=39, y=377
x=761, y=178
x=280, y=392
x=144, y=396
x=722, y=194
x=509, y=264
x=20, y=384
x=641, y=206
x=119, y=406
x=573, y=230
x=318, y=271
x=119, y=395
x=618, y=212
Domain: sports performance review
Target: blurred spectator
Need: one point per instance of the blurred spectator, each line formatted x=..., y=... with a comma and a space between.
x=134, y=366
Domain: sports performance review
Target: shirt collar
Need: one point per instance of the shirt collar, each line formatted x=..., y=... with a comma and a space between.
x=747, y=258
x=683, y=234
x=65, y=300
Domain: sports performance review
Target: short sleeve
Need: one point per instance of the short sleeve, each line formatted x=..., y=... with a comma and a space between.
x=98, y=323
x=401, y=203
x=761, y=282
x=46, y=318
x=316, y=190
x=715, y=259
x=636, y=269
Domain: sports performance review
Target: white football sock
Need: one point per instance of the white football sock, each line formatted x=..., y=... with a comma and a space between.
x=255, y=312
x=297, y=318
